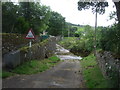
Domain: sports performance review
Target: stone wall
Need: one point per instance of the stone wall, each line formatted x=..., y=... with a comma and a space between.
x=110, y=67
x=38, y=51
x=12, y=42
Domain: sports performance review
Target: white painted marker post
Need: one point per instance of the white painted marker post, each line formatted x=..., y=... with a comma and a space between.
x=30, y=44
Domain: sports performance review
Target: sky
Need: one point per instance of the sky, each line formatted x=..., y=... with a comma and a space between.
x=68, y=9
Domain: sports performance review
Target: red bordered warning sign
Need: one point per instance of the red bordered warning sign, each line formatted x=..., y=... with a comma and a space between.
x=30, y=35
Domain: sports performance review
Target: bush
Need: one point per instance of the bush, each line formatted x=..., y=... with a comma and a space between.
x=68, y=42
x=110, y=39
x=77, y=46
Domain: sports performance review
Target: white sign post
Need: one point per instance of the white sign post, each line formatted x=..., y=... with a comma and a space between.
x=30, y=43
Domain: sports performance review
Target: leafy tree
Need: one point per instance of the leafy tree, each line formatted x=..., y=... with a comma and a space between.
x=21, y=26
x=88, y=35
x=56, y=24
x=9, y=16
x=113, y=16
x=110, y=38
x=100, y=6
x=72, y=31
x=18, y=18
x=66, y=31
x=80, y=31
x=95, y=6
x=37, y=15
x=46, y=14
x=26, y=10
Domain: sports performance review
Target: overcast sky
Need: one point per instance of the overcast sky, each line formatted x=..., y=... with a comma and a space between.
x=68, y=9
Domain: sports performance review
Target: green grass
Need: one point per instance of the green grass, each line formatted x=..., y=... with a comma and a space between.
x=92, y=73
x=5, y=74
x=33, y=66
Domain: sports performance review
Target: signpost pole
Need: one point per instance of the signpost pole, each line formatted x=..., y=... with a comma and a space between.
x=95, y=41
x=30, y=44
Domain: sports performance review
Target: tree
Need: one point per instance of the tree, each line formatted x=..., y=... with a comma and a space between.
x=56, y=24
x=110, y=38
x=117, y=4
x=32, y=12
x=9, y=16
x=18, y=18
x=100, y=7
x=72, y=31
x=26, y=10
x=113, y=16
x=21, y=26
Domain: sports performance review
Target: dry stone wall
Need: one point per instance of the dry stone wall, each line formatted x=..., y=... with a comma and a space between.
x=38, y=51
x=110, y=67
x=12, y=42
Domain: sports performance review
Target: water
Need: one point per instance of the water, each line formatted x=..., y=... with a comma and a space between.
x=62, y=51
x=69, y=57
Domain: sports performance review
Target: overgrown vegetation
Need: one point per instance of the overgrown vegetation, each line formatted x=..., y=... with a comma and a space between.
x=108, y=39
x=32, y=67
x=68, y=42
x=92, y=74
x=83, y=45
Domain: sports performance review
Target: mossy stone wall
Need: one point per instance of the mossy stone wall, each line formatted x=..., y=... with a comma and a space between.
x=38, y=51
x=110, y=67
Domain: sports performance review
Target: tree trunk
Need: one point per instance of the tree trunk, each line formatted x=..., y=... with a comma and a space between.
x=117, y=4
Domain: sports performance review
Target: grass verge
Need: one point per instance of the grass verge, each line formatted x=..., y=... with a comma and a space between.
x=33, y=66
x=92, y=73
x=5, y=74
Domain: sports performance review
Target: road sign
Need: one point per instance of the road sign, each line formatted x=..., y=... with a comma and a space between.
x=30, y=35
